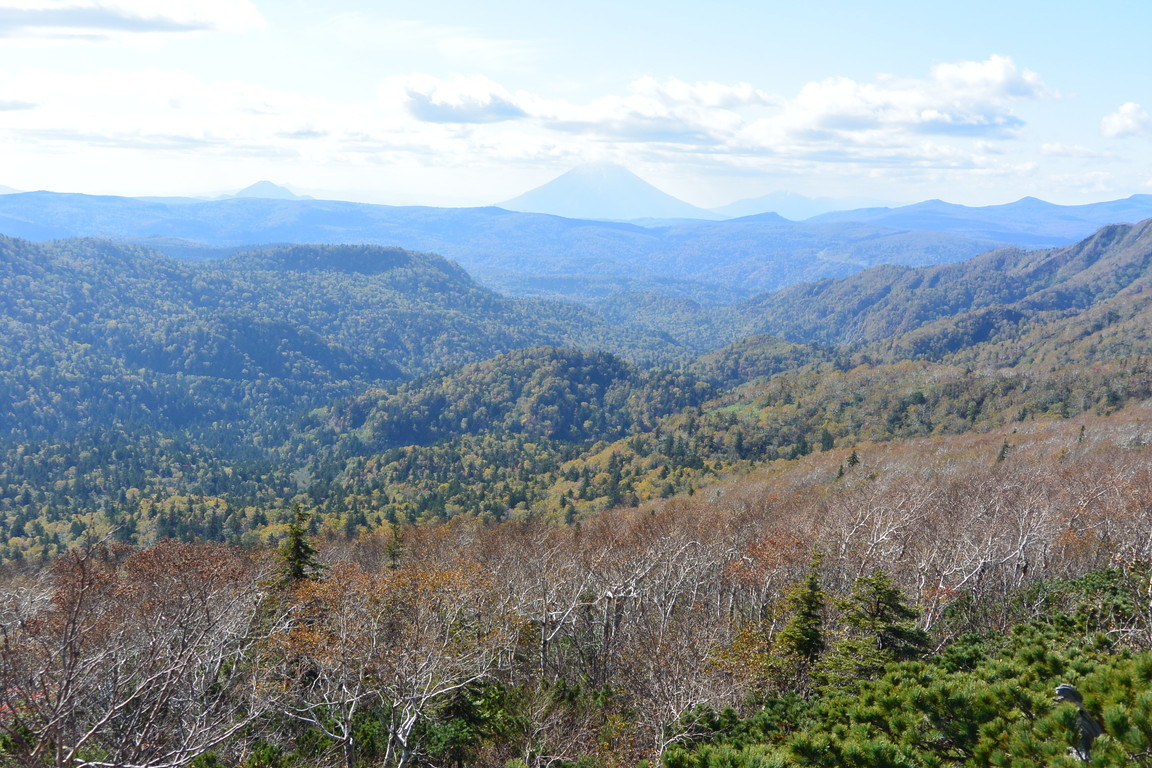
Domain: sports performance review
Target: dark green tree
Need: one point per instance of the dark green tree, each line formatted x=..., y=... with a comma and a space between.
x=803, y=634
x=297, y=555
x=879, y=628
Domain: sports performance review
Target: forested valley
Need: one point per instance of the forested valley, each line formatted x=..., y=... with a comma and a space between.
x=342, y=505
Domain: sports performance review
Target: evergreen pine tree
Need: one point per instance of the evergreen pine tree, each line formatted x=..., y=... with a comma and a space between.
x=879, y=628
x=297, y=555
x=803, y=634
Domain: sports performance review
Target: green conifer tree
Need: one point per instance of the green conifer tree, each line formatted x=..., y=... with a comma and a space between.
x=803, y=633
x=297, y=555
x=879, y=628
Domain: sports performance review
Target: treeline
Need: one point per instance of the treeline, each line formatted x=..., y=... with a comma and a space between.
x=919, y=609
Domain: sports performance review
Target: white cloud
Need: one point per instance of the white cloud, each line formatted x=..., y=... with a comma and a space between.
x=156, y=109
x=104, y=19
x=1129, y=120
x=947, y=127
x=957, y=118
x=663, y=112
x=967, y=99
x=995, y=79
x=474, y=99
x=954, y=120
x=653, y=111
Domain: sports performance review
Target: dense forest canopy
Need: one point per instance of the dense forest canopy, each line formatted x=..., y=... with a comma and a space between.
x=363, y=511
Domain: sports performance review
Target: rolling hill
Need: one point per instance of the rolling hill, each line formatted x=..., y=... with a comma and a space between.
x=884, y=302
x=136, y=338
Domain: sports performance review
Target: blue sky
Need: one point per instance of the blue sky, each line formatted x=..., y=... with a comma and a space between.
x=465, y=103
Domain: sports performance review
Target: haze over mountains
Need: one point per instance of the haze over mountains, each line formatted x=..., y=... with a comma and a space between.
x=534, y=254
x=604, y=191
x=793, y=206
x=266, y=190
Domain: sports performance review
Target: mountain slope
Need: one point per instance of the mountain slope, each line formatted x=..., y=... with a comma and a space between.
x=604, y=191
x=134, y=337
x=224, y=394
x=886, y=301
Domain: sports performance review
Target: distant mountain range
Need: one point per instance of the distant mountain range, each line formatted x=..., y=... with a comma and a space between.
x=1013, y=222
x=792, y=206
x=545, y=255
x=522, y=253
x=604, y=191
x=611, y=192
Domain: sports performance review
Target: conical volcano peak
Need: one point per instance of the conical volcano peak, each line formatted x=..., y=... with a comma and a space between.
x=604, y=190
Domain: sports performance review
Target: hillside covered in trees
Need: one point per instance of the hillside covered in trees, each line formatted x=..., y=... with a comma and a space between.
x=367, y=512
x=917, y=609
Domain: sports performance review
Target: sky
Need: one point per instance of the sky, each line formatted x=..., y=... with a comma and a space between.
x=459, y=103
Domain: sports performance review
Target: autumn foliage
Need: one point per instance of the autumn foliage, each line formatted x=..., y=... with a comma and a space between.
x=663, y=630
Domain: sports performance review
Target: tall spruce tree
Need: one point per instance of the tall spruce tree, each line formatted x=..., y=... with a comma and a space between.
x=803, y=634
x=297, y=555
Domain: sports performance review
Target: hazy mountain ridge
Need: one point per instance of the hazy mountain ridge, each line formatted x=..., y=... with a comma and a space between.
x=530, y=254
x=793, y=206
x=1028, y=221
x=604, y=191
x=268, y=191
